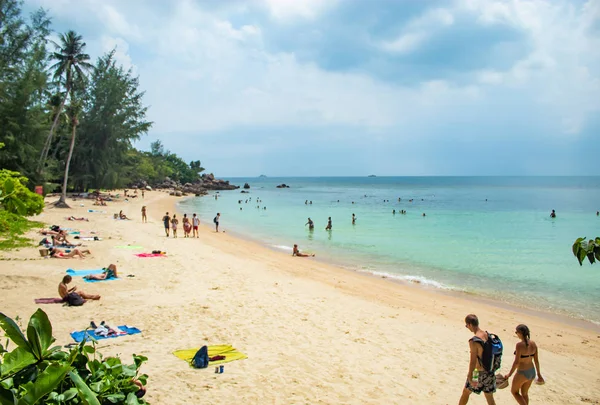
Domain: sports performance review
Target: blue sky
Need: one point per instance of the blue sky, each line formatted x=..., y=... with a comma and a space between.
x=354, y=87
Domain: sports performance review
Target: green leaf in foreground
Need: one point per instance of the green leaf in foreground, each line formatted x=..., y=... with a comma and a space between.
x=13, y=332
x=85, y=393
x=45, y=383
x=39, y=333
x=16, y=361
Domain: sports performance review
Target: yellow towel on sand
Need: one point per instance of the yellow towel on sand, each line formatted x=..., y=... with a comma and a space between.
x=228, y=351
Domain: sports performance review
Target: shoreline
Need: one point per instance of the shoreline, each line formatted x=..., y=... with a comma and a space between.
x=453, y=292
x=313, y=332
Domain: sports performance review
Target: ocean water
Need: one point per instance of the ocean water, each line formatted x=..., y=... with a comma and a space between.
x=488, y=236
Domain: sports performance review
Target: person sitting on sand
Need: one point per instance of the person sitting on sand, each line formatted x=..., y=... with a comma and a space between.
x=72, y=218
x=107, y=273
x=526, y=354
x=62, y=254
x=64, y=290
x=122, y=216
x=297, y=253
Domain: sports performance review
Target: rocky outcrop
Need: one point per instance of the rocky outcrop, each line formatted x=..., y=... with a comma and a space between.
x=283, y=185
x=198, y=188
x=246, y=186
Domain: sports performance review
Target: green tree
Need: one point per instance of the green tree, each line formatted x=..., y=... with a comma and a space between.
x=23, y=84
x=70, y=68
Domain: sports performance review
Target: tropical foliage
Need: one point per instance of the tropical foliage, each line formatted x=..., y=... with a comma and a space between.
x=35, y=372
x=66, y=120
x=583, y=248
x=15, y=197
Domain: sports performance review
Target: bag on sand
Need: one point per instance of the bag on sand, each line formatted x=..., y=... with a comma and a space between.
x=75, y=299
x=200, y=359
x=491, y=359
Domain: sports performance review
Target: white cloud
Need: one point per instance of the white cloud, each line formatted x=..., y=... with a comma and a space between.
x=121, y=48
x=287, y=10
x=419, y=30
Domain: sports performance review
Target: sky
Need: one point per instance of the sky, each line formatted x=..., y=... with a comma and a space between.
x=358, y=87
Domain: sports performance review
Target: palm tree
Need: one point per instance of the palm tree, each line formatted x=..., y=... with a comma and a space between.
x=70, y=68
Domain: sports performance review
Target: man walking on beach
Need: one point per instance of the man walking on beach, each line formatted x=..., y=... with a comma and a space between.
x=195, y=224
x=216, y=221
x=482, y=381
x=167, y=223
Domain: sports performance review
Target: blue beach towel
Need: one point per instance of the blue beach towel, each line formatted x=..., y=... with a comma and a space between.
x=81, y=273
x=79, y=336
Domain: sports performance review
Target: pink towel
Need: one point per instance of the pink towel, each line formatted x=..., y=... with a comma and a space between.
x=150, y=255
x=48, y=300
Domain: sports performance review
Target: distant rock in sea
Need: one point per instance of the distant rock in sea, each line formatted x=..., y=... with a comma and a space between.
x=371, y=175
x=262, y=175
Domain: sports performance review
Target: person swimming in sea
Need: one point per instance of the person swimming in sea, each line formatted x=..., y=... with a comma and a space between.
x=353, y=219
x=310, y=223
x=553, y=214
x=328, y=227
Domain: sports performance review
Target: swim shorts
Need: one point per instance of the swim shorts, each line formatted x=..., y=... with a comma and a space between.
x=487, y=383
x=195, y=228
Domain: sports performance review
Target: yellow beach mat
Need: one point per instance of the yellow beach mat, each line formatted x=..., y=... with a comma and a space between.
x=228, y=351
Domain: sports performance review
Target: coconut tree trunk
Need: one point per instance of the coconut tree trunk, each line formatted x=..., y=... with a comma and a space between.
x=62, y=203
x=46, y=149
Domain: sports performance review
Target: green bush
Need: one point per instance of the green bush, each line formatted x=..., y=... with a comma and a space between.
x=17, y=198
x=589, y=249
x=36, y=373
x=12, y=226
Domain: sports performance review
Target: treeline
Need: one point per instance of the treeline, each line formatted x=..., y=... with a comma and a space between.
x=68, y=123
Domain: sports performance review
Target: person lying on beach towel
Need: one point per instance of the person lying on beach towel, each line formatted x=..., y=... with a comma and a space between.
x=297, y=253
x=61, y=254
x=64, y=291
x=109, y=272
x=72, y=218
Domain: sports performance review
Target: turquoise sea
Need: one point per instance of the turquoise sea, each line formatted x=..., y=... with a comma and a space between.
x=489, y=236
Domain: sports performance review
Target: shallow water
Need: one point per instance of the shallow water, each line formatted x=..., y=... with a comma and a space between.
x=490, y=236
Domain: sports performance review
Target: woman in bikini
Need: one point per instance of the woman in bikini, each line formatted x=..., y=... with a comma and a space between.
x=109, y=272
x=174, y=223
x=60, y=254
x=187, y=227
x=526, y=355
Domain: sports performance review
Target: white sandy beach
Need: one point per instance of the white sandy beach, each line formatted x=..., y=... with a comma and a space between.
x=313, y=333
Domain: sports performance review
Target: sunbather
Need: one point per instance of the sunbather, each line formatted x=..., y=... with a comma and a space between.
x=72, y=218
x=64, y=290
x=297, y=253
x=61, y=254
x=109, y=272
x=122, y=216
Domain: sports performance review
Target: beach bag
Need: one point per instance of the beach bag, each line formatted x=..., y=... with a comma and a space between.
x=491, y=359
x=200, y=359
x=75, y=299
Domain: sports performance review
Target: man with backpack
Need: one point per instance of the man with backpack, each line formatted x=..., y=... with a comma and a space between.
x=216, y=221
x=485, y=358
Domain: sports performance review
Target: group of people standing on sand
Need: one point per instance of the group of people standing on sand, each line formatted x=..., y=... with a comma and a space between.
x=190, y=225
x=481, y=376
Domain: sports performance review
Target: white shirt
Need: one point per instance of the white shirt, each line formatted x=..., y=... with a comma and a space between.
x=196, y=221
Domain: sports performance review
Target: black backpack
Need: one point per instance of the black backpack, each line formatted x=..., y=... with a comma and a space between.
x=491, y=358
x=200, y=359
x=75, y=299
x=215, y=220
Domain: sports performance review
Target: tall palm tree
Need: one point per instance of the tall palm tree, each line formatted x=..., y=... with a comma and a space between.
x=70, y=68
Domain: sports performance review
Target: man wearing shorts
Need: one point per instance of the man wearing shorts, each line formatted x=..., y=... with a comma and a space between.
x=486, y=382
x=167, y=223
x=195, y=224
